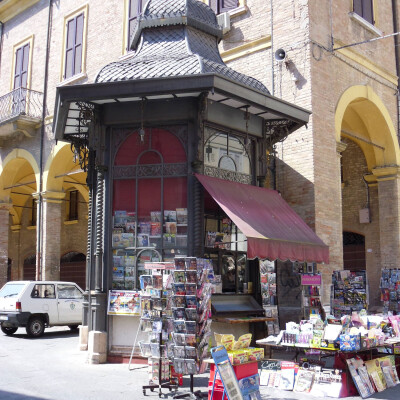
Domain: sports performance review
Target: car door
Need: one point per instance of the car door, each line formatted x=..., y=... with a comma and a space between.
x=42, y=300
x=70, y=300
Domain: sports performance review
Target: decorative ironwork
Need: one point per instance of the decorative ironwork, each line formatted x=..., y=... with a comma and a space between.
x=80, y=139
x=21, y=102
x=150, y=170
x=277, y=131
x=227, y=175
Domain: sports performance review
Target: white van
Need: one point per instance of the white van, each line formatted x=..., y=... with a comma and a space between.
x=39, y=304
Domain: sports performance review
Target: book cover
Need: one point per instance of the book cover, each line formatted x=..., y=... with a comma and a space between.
x=191, y=276
x=143, y=240
x=375, y=372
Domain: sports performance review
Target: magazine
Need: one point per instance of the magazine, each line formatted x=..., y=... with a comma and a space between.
x=304, y=380
x=181, y=216
x=287, y=375
x=169, y=216
x=170, y=227
x=155, y=216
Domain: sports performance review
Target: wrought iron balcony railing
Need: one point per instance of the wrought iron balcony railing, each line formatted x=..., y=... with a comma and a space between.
x=21, y=102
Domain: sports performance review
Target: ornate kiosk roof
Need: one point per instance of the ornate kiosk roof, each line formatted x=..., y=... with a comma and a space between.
x=177, y=38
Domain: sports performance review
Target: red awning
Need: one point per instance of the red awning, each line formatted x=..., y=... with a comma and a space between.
x=273, y=229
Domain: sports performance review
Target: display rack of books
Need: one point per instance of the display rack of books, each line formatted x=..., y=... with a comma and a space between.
x=139, y=239
x=311, y=299
x=348, y=292
x=268, y=293
x=176, y=314
x=390, y=290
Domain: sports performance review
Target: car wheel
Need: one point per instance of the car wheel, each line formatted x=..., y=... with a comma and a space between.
x=35, y=327
x=73, y=327
x=8, y=330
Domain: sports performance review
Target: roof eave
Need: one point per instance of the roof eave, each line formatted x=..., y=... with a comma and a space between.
x=146, y=87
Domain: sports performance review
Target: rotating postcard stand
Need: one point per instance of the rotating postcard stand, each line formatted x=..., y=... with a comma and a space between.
x=176, y=304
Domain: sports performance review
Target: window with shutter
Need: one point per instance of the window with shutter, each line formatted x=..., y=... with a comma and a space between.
x=73, y=46
x=135, y=8
x=21, y=66
x=364, y=8
x=221, y=6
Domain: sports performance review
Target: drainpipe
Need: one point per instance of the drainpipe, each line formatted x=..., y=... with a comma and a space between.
x=39, y=227
x=396, y=53
x=272, y=51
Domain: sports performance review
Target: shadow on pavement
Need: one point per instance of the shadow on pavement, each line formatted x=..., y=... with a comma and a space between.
x=17, y=396
x=48, y=335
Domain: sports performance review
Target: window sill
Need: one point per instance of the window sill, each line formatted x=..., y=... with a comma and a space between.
x=73, y=79
x=31, y=227
x=127, y=55
x=373, y=29
x=238, y=11
x=72, y=222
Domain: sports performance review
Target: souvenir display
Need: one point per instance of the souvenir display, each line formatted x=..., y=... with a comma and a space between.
x=349, y=292
x=268, y=294
x=390, y=290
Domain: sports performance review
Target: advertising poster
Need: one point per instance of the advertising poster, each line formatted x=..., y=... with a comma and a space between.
x=123, y=302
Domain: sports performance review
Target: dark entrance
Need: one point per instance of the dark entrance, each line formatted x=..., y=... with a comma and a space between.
x=29, y=273
x=354, y=251
x=73, y=268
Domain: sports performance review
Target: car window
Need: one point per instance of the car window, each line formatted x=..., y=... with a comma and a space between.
x=43, y=291
x=11, y=289
x=69, y=292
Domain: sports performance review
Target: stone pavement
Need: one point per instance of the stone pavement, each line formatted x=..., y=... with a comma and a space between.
x=52, y=368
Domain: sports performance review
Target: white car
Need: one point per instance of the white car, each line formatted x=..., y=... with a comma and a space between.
x=36, y=305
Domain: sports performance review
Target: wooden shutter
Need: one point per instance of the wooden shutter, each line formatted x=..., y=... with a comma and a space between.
x=78, y=44
x=69, y=49
x=214, y=5
x=17, y=71
x=73, y=46
x=226, y=5
x=135, y=8
x=21, y=66
x=368, y=13
x=357, y=7
x=25, y=65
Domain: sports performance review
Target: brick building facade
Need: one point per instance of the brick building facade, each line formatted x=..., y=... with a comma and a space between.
x=351, y=91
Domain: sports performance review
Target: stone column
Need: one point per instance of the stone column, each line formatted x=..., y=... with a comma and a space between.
x=51, y=234
x=4, y=226
x=389, y=218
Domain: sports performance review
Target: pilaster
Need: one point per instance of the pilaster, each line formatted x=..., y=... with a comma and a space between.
x=4, y=226
x=51, y=234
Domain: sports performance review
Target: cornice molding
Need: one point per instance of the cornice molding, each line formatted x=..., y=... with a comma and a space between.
x=11, y=8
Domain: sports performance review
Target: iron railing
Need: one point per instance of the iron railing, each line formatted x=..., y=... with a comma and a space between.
x=21, y=101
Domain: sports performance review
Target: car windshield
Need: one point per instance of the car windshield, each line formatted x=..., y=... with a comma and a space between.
x=11, y=289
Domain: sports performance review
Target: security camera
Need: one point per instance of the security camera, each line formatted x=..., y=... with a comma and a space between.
x=280, y=55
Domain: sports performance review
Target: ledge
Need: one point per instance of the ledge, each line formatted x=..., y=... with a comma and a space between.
x=31, y=227
x=246, y=49
x=73, y=79
x=72, y=222
x=372, y=28
x=238, y=11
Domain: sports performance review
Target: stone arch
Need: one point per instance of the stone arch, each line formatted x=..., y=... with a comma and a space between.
x=18, y=168
x=360, y=112
x=61, y=173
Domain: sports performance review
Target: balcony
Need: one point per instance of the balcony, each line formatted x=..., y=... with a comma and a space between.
x=20, y=112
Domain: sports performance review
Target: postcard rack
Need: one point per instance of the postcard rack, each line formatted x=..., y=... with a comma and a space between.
x=176, y=315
